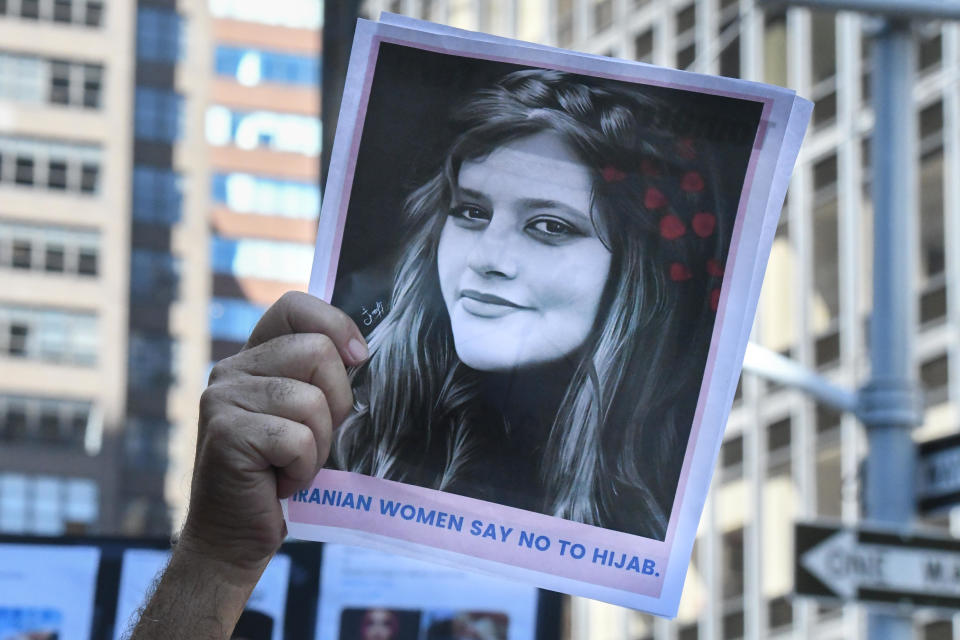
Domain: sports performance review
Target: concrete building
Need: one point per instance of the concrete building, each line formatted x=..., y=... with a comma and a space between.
x=785, y=458
x=65, y=170
x=158, y=189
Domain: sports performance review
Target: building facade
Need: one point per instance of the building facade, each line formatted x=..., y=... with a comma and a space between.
x=784, y=457
x=158, y=189
x=65, y=166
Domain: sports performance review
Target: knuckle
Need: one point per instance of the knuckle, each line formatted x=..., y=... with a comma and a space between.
x=278, y=389
x=219, y=371
x=322, y=346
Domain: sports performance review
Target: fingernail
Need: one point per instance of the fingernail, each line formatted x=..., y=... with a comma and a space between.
x=358, y=350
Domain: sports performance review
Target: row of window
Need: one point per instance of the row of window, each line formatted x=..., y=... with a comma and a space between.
x=152, y=361
x=81, y=12
x=233, y=319
x=145, y=443
x=47, y=505
x=247, y=193
x=49, y=248
x=158, y=115
x=251, y=67
x=46, y=421
x=37, y=80
x=157, y=195
x=65, y=337
x=46, y=164
x=159, y=35
x=263, y=130
x=154, y=275
x=265, y=259
x=302, y=14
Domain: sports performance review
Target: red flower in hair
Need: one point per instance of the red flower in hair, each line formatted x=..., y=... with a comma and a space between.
x=703, y=224
x=679, y=272
x=692, y=182
x=654, y=198
x=714, y=299
x=714, y=268
x=611, y=174
x=671, y=227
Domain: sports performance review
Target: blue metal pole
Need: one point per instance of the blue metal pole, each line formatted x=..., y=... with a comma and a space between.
x=889, y=407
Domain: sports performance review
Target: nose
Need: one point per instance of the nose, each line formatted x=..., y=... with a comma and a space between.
x=492, y=254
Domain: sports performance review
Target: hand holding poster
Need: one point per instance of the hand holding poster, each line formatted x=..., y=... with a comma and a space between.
x=556, y=260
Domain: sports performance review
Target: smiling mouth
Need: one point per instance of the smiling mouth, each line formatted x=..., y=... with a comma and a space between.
x=489, y=298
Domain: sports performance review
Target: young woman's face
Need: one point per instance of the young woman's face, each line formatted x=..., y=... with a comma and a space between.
x=521, y=267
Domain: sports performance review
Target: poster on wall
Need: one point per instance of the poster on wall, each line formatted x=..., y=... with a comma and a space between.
x=366, y=594
x=262, y=619
x=556, y=260
x=47, y=593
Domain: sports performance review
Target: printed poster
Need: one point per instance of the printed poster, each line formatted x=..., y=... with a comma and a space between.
x=47, y=592
x=556, y=260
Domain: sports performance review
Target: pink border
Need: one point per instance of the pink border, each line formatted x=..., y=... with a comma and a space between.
x=452, y=503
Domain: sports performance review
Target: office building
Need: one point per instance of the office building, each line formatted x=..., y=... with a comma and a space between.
x=785, y=458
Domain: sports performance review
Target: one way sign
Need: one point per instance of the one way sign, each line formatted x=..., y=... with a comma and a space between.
x=877, y=567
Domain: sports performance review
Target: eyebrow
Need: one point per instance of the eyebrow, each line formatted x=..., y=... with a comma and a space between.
x=540, y=203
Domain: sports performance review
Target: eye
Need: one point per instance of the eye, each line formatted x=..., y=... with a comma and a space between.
x=470, y=215
x=552, y=229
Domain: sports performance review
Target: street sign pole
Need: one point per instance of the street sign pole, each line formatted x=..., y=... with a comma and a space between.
x=888, y=402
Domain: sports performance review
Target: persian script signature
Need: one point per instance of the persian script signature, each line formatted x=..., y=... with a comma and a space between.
x=369, y=316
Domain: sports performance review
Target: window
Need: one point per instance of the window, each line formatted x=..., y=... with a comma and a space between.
x=54, y=260
x=246, y=193
x=146, y=443
x=685, y=20
x=304, y=14
x=63, y=10
x=92, y=78
x=154, y=275
x=94, y=14
x=60, y=82
x=89, y=174
x=731, y=457
x=251, y=67
x=602, y=14
x=933, y=375
x=48, y=335
x=157, y=195
x=48, y=248
x=267, y=259
x=30, y=9
x=151, y=361
x=47, y=505
x=23, y=78
x=643, y=46
x=158, y=114
x=263, y=129
x=232, y=319
x=57, y=174
x=30, y=154
x=159, y=35
x=24, y=171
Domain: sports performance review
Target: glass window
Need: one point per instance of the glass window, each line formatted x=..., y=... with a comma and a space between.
x=245, y=193
x=50, y=335
x=266, y=259
x=159, y=36
x=251, y=67
x=60, y=82
x=54, y=248
x=54, y=258
x=92, y=79
x=23, y=78
x=157, y=195
x=30, y=9
x=154, y=275
x=89, y=174
x=87, y=262
x=22, y=254
x=158, y=114
x=94, y=14
x=17, y=341
x=233, y=319
x=23, y=173
x=643, y=46
x=63, y=10
x=57, y=174
x=263, y=129
x=151, y=361
x=823, y=34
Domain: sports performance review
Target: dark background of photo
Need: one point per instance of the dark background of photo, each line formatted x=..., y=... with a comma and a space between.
x=351, y=619
x=406, y=132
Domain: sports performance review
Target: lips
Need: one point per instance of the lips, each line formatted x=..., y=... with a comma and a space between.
x=489, y=298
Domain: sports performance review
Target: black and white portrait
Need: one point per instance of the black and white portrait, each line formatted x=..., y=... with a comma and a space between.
x=537, y=258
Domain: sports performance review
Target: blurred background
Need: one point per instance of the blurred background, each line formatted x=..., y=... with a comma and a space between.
x=160, y=187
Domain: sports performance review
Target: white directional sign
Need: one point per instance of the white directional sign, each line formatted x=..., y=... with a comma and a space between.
x=877, y=567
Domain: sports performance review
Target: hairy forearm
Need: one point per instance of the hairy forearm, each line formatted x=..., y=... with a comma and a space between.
x=197, y=598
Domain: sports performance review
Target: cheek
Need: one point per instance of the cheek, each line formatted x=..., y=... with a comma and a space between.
x=449, y=259
x=573, y=286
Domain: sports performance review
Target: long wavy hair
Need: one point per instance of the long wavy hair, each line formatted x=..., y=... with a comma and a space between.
x=615, y=445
